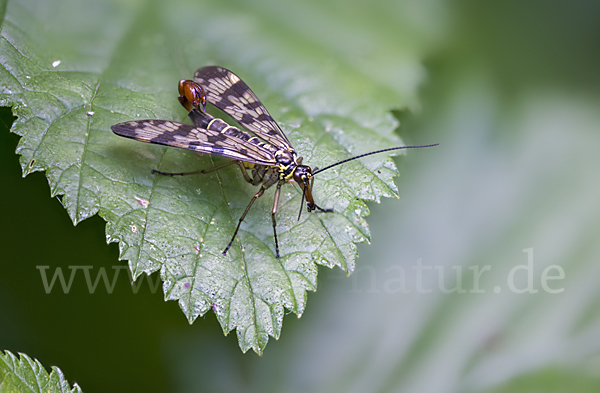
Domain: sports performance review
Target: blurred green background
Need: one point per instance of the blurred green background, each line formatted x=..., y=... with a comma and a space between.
x=512, y=96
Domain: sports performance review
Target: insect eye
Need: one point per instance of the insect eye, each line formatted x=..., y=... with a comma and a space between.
x=298, y=176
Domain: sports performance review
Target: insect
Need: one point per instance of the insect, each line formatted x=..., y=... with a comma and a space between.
x=267, y=152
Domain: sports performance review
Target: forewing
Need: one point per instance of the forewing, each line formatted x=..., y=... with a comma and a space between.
x=193, y=138
x=228, y=92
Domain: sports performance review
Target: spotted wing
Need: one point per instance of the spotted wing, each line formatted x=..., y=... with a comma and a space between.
x=198, y=139
x=228, y=92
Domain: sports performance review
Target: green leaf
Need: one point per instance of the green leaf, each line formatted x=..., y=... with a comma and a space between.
x=71, y=75
x=25, y=374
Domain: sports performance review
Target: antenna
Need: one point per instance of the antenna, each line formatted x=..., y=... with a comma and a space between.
x=371, y=153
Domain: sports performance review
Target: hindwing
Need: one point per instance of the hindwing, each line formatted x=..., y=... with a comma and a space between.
x=228, y=92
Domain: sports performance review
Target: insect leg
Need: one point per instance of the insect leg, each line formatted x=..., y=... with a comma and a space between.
x=323, y=210
x=256, y=196
x=245, y=172
x=312, y=182
x=203, y=171
x=273, y=212
x=258, y=174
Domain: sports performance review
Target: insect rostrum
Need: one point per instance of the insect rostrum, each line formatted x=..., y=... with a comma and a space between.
x=264, y=150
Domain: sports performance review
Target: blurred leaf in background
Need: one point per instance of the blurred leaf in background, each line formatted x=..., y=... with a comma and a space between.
x=510, y=194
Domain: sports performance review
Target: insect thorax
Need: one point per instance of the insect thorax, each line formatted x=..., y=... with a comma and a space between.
x=286, y=164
